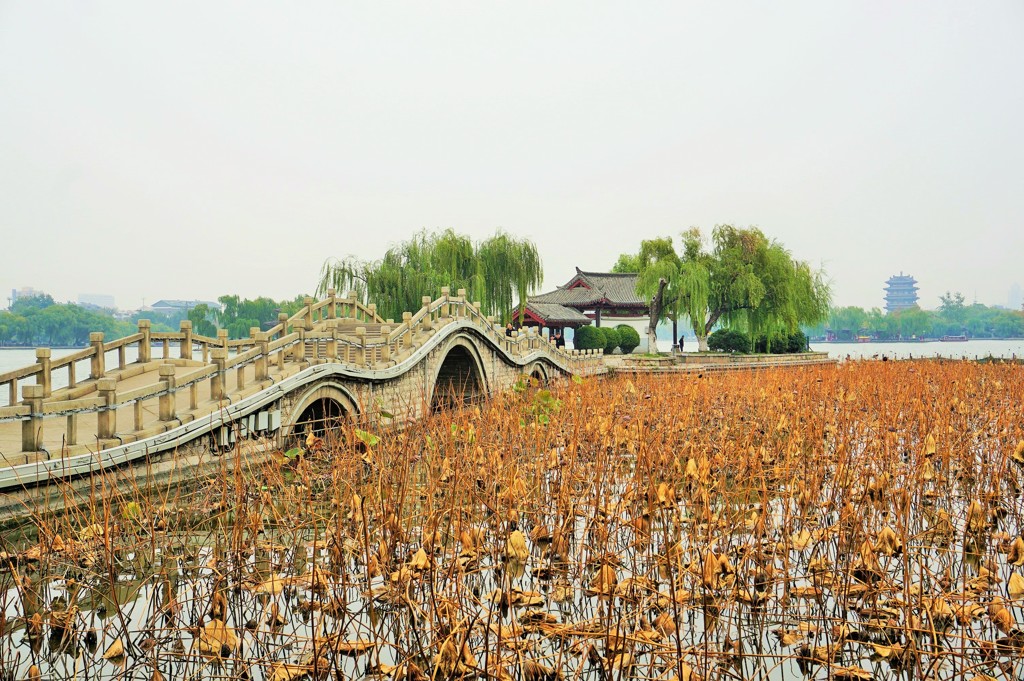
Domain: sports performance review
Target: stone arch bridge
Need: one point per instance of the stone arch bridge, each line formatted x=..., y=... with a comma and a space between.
x=334, y=357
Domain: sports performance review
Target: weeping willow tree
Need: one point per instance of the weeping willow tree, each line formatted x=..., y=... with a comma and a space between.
x=744, y=280
x=749, y=281
x=497, y=271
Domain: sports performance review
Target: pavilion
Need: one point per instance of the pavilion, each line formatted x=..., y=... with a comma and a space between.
x=588, y=296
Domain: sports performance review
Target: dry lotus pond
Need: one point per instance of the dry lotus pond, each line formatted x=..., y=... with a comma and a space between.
x=852, y=522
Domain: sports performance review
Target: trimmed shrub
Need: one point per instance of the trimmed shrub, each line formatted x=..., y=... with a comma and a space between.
x=782, y=344
x=727, y=340
x=588, y=338
x=611, y=339
x=797, y=342
x=629, y=338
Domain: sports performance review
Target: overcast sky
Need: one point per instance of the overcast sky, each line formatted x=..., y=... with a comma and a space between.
x=188, y=150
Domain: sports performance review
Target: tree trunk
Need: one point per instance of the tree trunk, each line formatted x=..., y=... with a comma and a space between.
x=652, y=326
x=702, y=342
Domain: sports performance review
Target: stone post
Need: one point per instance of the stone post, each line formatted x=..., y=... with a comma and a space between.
x=222, y=338
x=71, y=437
x=44, y=377
x=372, y=307
x=385, y=350
x=406, y=337
x=32, y=427
x=300, y=348
x=307, y=320
x=445, y=308
x=167, y=397
x=218, y=385
x=460, y=307
x=185, y=349
x=282, y=320
x=106, y=418
x=98, y=359
x=361, y=358
x=145, y=344
x=71, y=375
x=332, y=307
x=260, y=340
x=426, y=317
x=332, y=339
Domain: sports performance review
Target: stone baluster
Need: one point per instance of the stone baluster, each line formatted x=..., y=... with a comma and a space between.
x=307, y=317
x=32, y=427
x=385, y=349
x=98, y=358
x=137, y=415
x=460, y=306
x=299, y=355
x=405, y=338
x=361, y=359
x=332, y=339
x=122, y=361
x=185, y=349
x=445, y=307
x=218, y=387
x=106, y=419
x=72, y=381
x=240, y=377
x=145, y=344
x=260, y=343
x=426, y=321
x=372, y=312
x=167, y=397
x=332, y=306
x=44, y=377
x=282, y=320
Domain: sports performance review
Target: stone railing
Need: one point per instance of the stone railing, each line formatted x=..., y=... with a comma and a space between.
x=335, y=329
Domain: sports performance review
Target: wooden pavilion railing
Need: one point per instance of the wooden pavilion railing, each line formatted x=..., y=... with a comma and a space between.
x=335, y=329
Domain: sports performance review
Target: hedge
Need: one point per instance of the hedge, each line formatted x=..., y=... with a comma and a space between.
x=629, y=338
x=611, y=339
x=588, y=338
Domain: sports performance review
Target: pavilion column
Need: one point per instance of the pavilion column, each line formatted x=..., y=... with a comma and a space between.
x=597, y=318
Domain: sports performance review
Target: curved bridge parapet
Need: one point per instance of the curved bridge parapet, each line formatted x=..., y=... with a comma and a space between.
x=334, y=357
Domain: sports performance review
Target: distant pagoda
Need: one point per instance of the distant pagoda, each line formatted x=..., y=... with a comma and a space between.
x=900, y=292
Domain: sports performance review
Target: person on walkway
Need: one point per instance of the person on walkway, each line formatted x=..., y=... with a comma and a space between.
x=509, y=331
x=559, y=339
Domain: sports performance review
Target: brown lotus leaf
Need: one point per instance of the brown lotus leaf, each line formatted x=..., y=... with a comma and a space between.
x=216, y=639
x=1015, y=586
x=114, y=651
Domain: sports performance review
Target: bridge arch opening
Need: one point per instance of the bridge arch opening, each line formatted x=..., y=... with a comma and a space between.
x=324, y=412
x=459, y=381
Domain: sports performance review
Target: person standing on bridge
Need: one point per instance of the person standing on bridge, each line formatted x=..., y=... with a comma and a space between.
x=509, y=330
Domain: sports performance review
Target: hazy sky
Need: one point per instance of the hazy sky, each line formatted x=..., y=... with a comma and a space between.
x=188, y=150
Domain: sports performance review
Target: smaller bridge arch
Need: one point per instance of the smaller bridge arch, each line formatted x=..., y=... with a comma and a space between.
x=460, y=377
x=538, y=371
x=321, y=408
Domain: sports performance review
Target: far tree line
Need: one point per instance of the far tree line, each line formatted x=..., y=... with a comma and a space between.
x=39, y=321
x=953, y=317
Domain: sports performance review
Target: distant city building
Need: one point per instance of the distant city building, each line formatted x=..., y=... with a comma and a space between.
x=100, y=300
x=900, y=292
x=25, y=292
x=1015, y=300
x=175, y=306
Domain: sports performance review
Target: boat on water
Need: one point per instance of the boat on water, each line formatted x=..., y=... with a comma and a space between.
x=954, y=339
x=863, y=339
